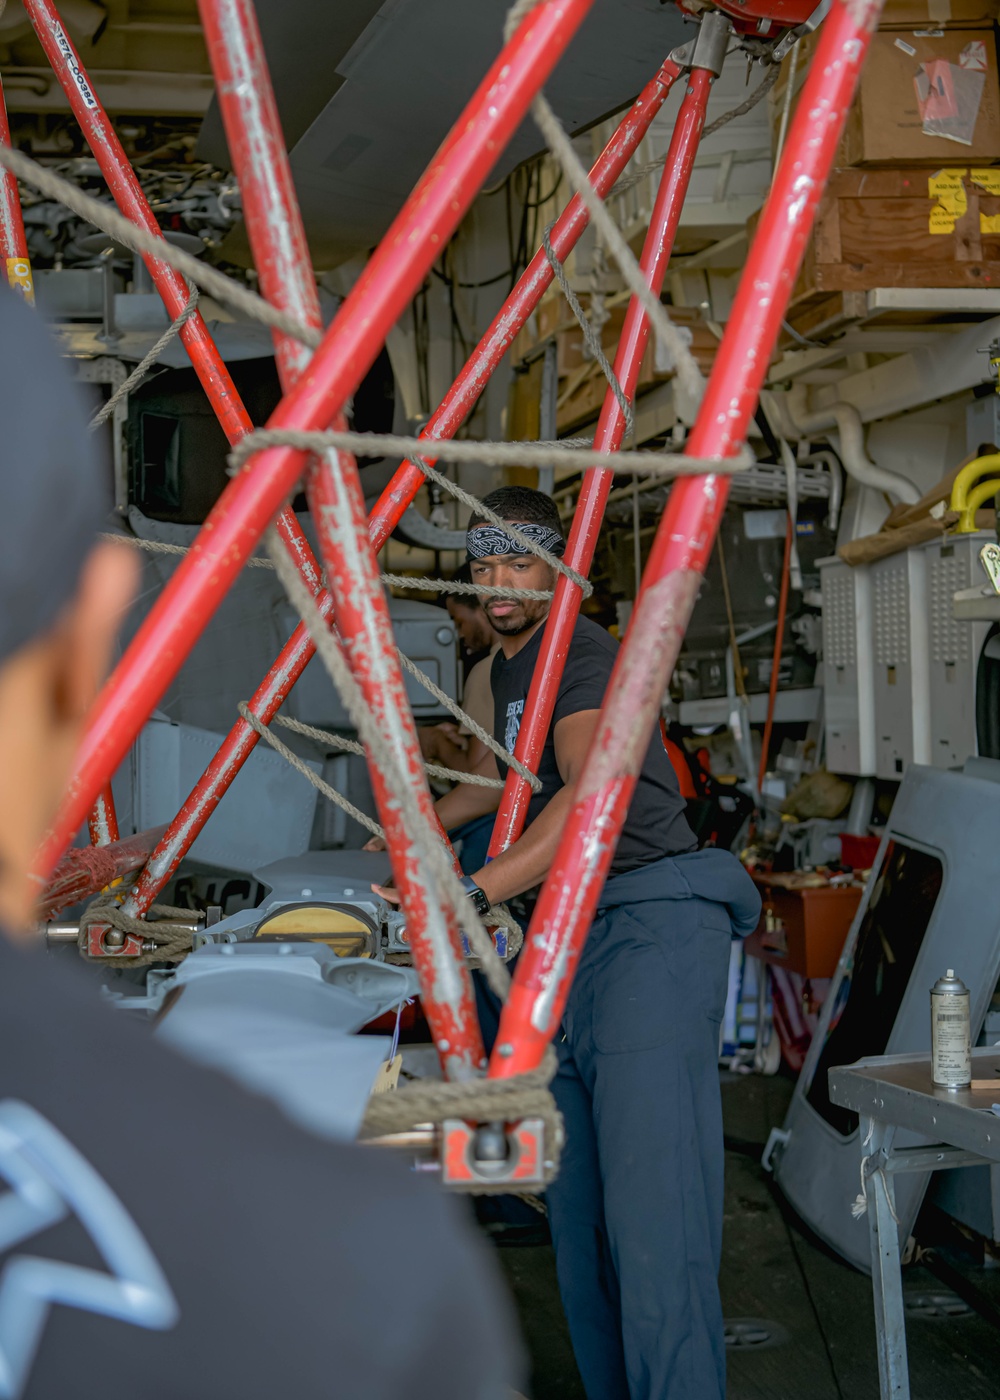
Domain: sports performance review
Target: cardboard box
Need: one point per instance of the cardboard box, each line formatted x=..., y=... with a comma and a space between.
x=926, y=96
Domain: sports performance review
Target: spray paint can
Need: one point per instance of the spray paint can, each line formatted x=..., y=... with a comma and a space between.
x=951, y=1043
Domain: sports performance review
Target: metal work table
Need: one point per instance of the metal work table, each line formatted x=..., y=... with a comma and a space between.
x=891, y=1093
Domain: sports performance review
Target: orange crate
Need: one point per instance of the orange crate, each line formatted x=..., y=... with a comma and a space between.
x=807, y=926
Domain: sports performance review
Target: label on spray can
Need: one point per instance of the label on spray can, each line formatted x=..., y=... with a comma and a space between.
x=951, y=1046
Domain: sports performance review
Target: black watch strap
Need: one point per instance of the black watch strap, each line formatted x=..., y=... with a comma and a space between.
x=479, y=897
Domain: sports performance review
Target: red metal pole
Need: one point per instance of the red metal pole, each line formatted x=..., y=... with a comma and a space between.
x=535, y=281
x=779, y=638
x=103, y=820
x=132, y=202
x=455, y=407
x=680, y=551
x=13, y=244
x=589, y=512
x=349, y=347
x=129, y=196
x=338, y=509
x=281, y=255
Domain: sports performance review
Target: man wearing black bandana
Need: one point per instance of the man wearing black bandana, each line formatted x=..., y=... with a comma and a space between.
x=636, y=1213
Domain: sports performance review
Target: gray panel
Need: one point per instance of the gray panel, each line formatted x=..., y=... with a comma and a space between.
x=849, y=702
x=267, y=814
x=282, y=1021
x=957, y=818
x=902, y=700
x=380, y=100
x=953, y=647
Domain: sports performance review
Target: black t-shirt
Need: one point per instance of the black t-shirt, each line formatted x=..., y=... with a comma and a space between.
x=299, y=1268
x=656, y=825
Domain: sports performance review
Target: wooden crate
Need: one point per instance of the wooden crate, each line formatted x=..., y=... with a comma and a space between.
x=581, y=393
x=901, y=227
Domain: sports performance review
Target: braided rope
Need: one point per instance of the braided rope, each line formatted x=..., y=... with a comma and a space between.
x=172, y=944
x=636, y=176
x=689, y=375
x=137, y=240
x=435, y=860
x=589, y=334
x=475, y=1100
x=147, y=361
x=412, y=581
x=340, y=741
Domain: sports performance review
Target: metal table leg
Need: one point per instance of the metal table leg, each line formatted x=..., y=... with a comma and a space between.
x=887, y=1282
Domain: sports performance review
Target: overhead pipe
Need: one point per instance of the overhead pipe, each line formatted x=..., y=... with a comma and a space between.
x=853, y=454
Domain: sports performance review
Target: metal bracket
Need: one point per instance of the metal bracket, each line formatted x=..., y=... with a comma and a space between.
x=786, y=43
x=524, y=1164
x=709, y=46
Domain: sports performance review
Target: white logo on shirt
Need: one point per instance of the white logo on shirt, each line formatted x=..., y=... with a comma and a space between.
x=49, y=1181
x=515, y=709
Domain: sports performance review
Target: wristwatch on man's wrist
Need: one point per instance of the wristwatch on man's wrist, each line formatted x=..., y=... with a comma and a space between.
x=480, y=898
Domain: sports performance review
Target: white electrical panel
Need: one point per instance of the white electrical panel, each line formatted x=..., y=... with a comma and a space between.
x=900, y=640
x=848, y=694
x=953, y=647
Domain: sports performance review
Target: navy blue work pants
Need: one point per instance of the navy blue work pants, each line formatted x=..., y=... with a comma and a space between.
x=636, y=1211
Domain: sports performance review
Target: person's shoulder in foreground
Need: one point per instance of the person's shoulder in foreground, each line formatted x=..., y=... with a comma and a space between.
x=295, y=1267
x=166, y=1235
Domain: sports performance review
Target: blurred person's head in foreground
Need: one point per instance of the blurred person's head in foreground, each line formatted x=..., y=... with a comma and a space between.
x=62, y=591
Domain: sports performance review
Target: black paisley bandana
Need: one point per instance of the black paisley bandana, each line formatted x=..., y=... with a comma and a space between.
x=485, y=541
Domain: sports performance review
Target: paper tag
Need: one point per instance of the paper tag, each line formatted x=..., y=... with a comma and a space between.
x=988, y=180
x=989, y=223
x=989, y=557
x=907, y=48
x=388, y=1075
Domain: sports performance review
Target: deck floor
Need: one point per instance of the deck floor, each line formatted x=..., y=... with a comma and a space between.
x=824, y=1334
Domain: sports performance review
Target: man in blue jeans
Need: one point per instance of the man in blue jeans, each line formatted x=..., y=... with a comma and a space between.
x=636, y=1212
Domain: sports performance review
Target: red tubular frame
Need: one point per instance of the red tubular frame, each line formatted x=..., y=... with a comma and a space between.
x=347, y=351
x=103, y=820
x=13, y=244
x=132, y=202
x=281, y=254
x=457, y=404
x=587, y=517
x=681, y=548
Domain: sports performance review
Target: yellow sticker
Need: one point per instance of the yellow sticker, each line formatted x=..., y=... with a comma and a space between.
x=19, y=277
x=941, y=221
x=989, y=223
x=952, y=202
x=988, y=180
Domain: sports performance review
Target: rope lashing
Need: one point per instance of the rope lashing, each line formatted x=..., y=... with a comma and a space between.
x=137, y=240
x=591, y=337
x=435, y=860
x=476, y=1100
x=311, y=776
x=340, y=741
x=689, y=375
x=488, y=454
x=171, y=943
x=147, y=361
x=410, y=581
x=640, y=173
